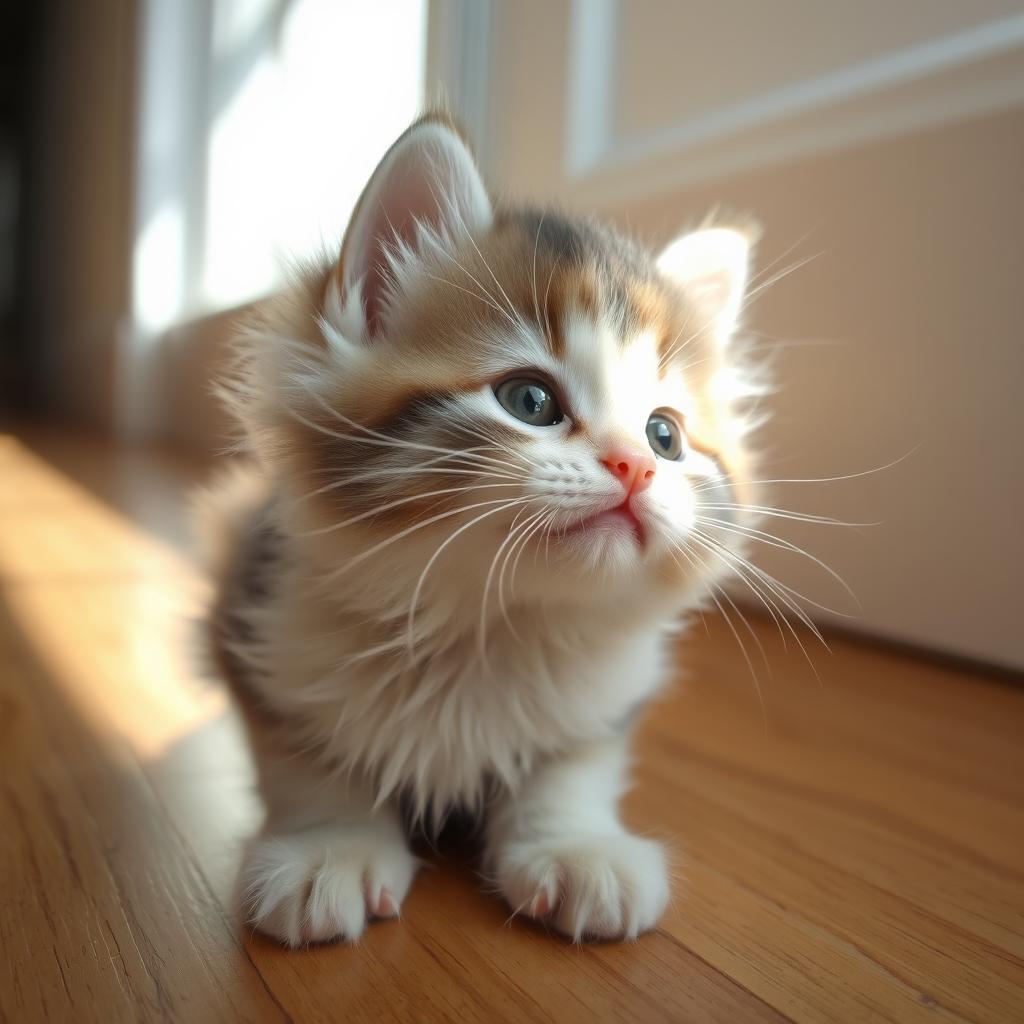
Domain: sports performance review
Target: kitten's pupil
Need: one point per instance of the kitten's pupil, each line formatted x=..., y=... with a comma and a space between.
x=533, y=400
x=665, y=438
x=530, y=401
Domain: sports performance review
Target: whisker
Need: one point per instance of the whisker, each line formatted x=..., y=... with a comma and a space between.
x=757, y=640
x=756, y=278
x=403, y=471
x=784, y=593
x=741, y=567
x=513, y=318
x=782, y=513
x=369, y=552
x=733, y=630
x=675, y=348
x=759, y=589
x=437, y=554
x=825, y=479
x=397, y=503
x=769, y=604
x=546, y=530
x=524, y=533
x=537, y=523
x=536, y=242
x=384, y=439
x=473, y=430
x=547, y=291
x=468, y=291
x=508, y=539
x=752, y=293
x=760, y=536
x=472, y=241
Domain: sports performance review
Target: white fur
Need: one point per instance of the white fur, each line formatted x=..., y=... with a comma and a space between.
x=558, y=850
x=325, y=883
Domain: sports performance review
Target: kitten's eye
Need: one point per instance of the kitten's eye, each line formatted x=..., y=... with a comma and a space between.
x=665, y=437
x=530, y=401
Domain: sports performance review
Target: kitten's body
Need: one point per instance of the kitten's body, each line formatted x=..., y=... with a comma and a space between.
x=427, y=604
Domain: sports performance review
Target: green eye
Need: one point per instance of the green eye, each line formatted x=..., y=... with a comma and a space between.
x=530, y=401
x=665, y=437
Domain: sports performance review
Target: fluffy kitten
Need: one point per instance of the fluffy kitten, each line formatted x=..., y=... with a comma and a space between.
x=490, y=444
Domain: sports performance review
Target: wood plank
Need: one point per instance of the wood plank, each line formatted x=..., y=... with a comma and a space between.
x=104, y=914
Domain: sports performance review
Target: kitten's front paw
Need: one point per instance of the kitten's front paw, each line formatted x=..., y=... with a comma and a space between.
x=324, y=884
x=601, y=887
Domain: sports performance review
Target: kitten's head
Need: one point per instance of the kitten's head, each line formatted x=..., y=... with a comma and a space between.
x=473, y=393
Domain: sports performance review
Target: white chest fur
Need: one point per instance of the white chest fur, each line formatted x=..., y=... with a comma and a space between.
x=442, y=725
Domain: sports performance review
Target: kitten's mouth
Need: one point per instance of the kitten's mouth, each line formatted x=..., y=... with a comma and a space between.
x=618, y=519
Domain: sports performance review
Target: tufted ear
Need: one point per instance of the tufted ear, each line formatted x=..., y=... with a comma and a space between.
x=426, y=180
x=711, y=266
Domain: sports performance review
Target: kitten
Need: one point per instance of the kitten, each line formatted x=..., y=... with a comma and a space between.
x=489, y=445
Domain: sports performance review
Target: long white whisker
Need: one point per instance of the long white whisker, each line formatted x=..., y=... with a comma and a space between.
x=743, y=571
x=506, y=540
x=762, y=537
x=533, y=526
x=546, y=531
x=547, y=291
x=780, y=590
x=781, y=513
x=742, y=647
x=822, y=479
x=472, y=242
x=676, y=346
x=473, y=429
x=369, y=552
x=468, y=291
x=766, y=269
x=522, y=532
x=405, y=471
x=437, y=554
x=469, y=236
x=770, y=605
x=741, y=566
x=395, y=443
x=398, y=503
x=376, y=437
x=760, y=647
x=536, y=243
x=775, y=278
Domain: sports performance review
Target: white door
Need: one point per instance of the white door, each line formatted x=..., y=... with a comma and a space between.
x=882, y=141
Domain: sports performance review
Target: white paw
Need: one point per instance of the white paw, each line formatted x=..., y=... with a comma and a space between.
x=325, y=883
x=602, y=887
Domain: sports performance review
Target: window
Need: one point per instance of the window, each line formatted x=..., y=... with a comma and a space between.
x=260, y=121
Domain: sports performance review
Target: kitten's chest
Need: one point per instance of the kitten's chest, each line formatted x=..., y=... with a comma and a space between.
x=441, y=730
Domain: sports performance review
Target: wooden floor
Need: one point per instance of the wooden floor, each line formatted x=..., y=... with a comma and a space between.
x=853, y=853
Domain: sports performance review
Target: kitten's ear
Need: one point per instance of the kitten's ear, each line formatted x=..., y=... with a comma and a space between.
x=427, y=180
x=711, y=266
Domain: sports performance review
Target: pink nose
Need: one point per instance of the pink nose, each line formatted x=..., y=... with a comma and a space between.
x=633, y=467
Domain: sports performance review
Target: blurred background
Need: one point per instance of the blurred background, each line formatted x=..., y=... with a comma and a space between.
x=161, y=160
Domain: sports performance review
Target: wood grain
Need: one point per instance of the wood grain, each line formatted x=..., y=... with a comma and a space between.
x=852, y=851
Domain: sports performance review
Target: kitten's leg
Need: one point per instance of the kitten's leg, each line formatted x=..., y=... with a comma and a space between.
x=559, y=852
x=326, y=861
